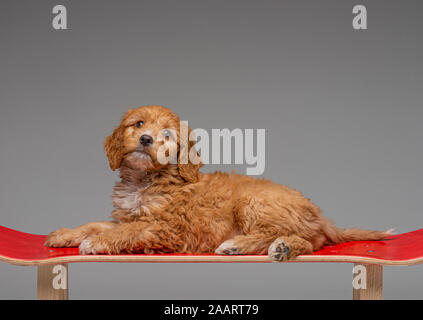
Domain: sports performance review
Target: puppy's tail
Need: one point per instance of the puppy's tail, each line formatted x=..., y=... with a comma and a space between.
x=338, y=235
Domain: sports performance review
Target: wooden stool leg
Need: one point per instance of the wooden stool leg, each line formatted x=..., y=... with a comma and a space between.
x=370, y=284
x=52, y=282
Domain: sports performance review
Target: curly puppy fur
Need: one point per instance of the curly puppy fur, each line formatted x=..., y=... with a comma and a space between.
x=174, y=208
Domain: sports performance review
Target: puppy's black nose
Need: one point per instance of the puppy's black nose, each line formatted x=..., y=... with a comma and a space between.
x=146, y=140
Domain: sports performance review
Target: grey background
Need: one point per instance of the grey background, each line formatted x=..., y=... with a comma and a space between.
x=342, y=109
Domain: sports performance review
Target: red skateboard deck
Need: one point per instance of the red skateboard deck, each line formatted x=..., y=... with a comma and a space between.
x=21, y=248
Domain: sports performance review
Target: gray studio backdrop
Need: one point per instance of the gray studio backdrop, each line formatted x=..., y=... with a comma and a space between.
x=342, y=110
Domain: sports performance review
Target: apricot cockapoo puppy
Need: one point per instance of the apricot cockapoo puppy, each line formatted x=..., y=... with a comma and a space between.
x=172, y=207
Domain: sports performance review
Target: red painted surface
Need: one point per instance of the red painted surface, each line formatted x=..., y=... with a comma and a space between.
x=407, y=246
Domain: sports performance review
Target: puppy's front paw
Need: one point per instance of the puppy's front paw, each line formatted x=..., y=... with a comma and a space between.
x=92, y=246
x=63, y=238
x=227, y=247
x=279, y=250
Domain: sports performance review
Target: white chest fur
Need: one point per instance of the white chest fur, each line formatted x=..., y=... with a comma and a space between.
x=136, y=199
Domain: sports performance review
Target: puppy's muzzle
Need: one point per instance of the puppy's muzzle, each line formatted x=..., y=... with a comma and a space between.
x=146, y=140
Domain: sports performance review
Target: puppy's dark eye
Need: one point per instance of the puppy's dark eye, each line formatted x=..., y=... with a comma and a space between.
x=139, y=124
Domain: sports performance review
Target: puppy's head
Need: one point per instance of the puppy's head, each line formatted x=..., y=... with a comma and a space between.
x=150, y=138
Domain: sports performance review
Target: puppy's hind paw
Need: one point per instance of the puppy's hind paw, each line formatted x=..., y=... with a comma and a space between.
x=279, y=250
x=227, y=248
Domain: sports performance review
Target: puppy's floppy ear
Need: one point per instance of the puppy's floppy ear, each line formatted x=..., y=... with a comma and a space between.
x=187, y=169
x=114, y=147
